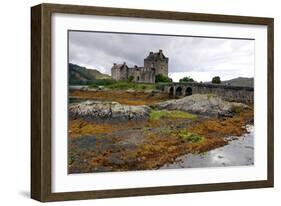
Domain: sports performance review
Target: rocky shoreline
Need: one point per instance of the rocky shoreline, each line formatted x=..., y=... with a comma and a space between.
x=208, y=105
x=107, y=111
x=204, y=104
x=110, y=136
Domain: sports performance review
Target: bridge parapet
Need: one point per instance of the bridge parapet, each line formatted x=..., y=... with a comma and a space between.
x=227, y=92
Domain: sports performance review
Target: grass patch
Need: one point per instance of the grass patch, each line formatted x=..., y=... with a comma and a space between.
x=124, y=85
x=190, y=137
x=102, y=82
x=121, y=85
x=131, y=85
x=157, y=114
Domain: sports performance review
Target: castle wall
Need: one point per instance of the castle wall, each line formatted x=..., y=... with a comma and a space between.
x=161, y=66
x=148, y=75
x=124, y=73
x=143, y=75
x=119, y=73
x=135, y=73
x=154, y=64
x=114, y=74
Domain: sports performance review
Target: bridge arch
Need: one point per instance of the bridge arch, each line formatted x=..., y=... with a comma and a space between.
x=171, y=91
x=188, y=91
x=179, y=91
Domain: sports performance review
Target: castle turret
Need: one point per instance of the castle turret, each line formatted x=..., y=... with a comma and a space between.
x=119, y=71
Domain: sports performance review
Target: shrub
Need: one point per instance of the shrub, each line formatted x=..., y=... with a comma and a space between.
x=216, y=80
x=130, y=78
x=162, y=78
x=187, y=79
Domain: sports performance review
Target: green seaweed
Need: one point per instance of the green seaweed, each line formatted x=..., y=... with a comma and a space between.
x=190, y=137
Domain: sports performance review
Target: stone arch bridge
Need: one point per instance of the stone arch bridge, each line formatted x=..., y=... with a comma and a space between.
x=227, y=92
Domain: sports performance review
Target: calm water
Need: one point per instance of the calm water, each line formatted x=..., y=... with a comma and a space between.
x=239, y=152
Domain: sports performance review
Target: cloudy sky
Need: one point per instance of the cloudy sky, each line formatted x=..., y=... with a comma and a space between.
x=200, y=58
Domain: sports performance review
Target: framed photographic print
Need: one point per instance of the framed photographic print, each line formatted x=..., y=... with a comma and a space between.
x=129, y=102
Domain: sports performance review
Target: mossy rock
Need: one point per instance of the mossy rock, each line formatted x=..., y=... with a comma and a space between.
x=158, y=114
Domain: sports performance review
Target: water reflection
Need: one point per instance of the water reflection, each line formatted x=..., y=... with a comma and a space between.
x=239, y=152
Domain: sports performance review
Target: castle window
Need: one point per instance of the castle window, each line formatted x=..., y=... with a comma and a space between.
x=138, y=78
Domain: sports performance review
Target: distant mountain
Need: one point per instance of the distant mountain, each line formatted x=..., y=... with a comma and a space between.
x=82, y=75
x=240, y=81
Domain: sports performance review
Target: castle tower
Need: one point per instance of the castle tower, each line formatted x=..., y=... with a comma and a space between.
x=158, y=61
x=119, y=71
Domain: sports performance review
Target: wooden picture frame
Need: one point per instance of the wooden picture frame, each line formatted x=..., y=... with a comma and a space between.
x=41, y=118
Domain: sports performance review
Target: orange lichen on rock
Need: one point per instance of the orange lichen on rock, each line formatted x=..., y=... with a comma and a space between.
x=80, y=127
x=155, y=152
x=217, y=127
x=162, y=142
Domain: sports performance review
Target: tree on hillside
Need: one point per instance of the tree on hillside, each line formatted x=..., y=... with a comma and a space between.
x=216, y=80
x=187, y=79
x=162, y=78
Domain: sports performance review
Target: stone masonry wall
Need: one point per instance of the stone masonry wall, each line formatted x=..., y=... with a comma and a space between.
x=142, y=75
x=161, y=66
x=228, y=93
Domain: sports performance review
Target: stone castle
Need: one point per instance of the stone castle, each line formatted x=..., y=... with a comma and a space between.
x=154, y=64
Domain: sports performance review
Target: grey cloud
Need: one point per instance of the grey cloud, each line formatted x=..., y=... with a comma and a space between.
x=230, y=57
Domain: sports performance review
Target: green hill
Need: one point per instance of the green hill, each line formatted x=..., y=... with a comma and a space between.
x=83, y=75
x=240, y=81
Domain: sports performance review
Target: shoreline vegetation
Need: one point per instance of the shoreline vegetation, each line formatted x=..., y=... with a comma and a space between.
x=159, y=138
x=127, y=97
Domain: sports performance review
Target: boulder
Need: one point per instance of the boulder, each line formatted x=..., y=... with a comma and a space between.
x=201, y=104
x=100, y=110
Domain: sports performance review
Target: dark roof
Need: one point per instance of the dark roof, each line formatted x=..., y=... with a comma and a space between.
x=119, y=66
x=156, y=56
x=136, y=67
